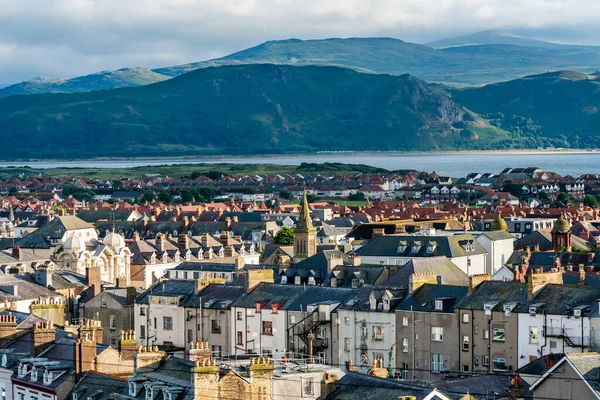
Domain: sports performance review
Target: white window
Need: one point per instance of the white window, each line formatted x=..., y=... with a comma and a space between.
x=168, y=323
x=465, y=343
x=486, y=334
x=364, y=332
x=404, y=345
x=437, y=334
x=113, y=322
x=465, y=318
x=346, y=320
x=439, y=305
x=485, y=360
x=292, y=319
x=378, y=333
x=437, y=362
x=499, y=364
x=404, y=321
x=533, y=334
x=347, y=344
x=499, y=335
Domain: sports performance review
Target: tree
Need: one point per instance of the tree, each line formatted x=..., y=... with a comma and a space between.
x=147, y=197
x=357, y=196
x=187, y=196
x=284, y=236
x=512, y=188
x=311, y=198
x=562, y=197
x=590, y=201
x=165, y=197
x=116, y=184
x=13, y=191
x=285, y=194
x=543, y=196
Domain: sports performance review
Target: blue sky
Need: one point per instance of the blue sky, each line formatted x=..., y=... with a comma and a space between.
x=66, y=38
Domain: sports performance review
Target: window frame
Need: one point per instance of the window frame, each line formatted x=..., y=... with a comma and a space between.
x=437, y=334
x=497, y=337
x=167, y=326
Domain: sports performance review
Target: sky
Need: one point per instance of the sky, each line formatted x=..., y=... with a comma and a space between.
x=67, y=38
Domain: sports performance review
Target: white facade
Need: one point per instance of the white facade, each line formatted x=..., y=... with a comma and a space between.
x=471, y=265
x=537, y=335
x=375, y=331
x=161, y=322
x=258, y=331
x=498, y=252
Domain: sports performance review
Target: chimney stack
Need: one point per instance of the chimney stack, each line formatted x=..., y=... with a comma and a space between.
x=44, y=336
x=8, y=327
x=128, y=345
x=131, y=295
x=17, y=252
x=85, y=354
x=43, y=275
x=183, y=241
x=93, y=275
x=160, y=242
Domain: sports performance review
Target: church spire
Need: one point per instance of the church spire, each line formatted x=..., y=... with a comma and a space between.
x=304, y=221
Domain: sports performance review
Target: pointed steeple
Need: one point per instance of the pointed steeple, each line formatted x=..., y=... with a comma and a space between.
x=304, y=223
x=11, y=214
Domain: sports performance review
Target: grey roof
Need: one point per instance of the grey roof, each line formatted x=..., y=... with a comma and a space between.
x=492, y=292
x=27, y=288
x=168, y=287
x=450, y=274
x=545, y=259
x=543, y=238
x=201, y=266
x=561, y=299
x=108, y=215
x=497, y=235
x=360, y=301
x=355, y=386
x=270, y=293
x=222, y=294
x=588, y=366
x=448, y=246
x=319, y=295
x=423, y=299
x=540, y=366
x=344, y=275
x=98, y=386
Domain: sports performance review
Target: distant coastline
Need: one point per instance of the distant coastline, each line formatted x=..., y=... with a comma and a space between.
x=212, y=158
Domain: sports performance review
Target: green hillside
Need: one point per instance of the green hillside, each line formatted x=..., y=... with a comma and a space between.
x=126, y=77
x=242, y=110
x=553, y=109
x=467, y=65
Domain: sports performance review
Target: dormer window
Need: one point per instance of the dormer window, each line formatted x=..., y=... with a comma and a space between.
x=176, y=257
x=34, y=374
x=221, y=252
x=284, y=280
x=311, y=280
x=47, y=377
x=75, y=396
x=4, y=360
x=431, y=246
x=22, y=370
x=416, y=247
x=439, y=305
x=402, y=246
x=354, y=283
x=188, y=255
x=333, y=282
x=297, y=280
x=153, y=259
x=164, y=258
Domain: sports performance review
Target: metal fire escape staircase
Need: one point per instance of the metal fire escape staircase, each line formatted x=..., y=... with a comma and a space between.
x=307, y=328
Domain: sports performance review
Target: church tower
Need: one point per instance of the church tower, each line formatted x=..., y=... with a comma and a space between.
x=561, y=235
x=305, y=234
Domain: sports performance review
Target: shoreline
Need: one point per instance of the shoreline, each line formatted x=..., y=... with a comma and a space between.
x=212, y=158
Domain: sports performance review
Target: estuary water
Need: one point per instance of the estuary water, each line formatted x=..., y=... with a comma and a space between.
x=447, y=164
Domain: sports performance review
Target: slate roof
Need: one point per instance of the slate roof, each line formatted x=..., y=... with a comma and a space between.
x=540, y=366
x=450, y=274
x=561, y=299
x=588, y=366
x=424, y=298
x=344, y=275
x=355, y=386
x=360, y=301
x=498, y=235
x=270, y=293
x=545, y=259
x=494, y=291
x=319, y=295
x=108, y=215
x=220, y=293
x=170, y=287
x=448, y=246
x=98, y=386
x=543, y=238
x=27, y=288
x=201, y=266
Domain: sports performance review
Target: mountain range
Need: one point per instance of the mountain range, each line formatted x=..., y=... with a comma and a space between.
x=481, y=58
x=245, y=109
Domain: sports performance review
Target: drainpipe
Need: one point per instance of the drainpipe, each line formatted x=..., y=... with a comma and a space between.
x=545, y=336
x=490, y=335
x=414, y=345
x=472, y=341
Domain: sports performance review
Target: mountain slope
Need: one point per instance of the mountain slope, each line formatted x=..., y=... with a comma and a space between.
x=558, y=108
x=244, y=109
x=466, y=65
x=492, y=37
x=125, y=77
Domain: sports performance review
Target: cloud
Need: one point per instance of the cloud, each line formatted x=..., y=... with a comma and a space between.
x=64, y=38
